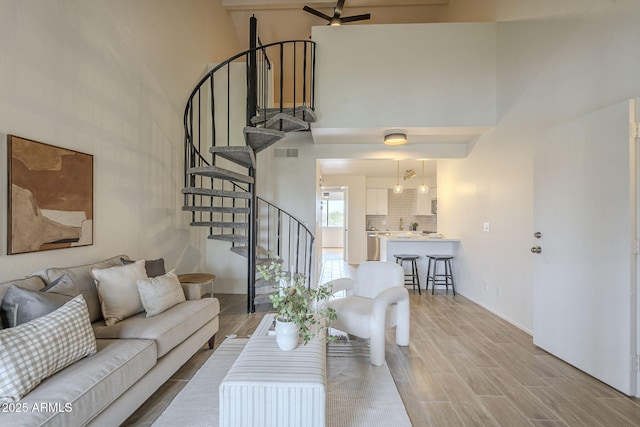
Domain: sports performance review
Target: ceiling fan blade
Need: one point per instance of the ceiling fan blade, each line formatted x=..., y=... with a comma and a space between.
x=356, y=18
x=337, y=11
x=317, y=13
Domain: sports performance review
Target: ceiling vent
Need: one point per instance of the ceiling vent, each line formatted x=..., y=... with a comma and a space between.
x=285, y=152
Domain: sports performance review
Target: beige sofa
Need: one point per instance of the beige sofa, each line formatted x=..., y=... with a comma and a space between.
x=134, y=358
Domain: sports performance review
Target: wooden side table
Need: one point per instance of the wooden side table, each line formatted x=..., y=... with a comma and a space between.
x=199, y=280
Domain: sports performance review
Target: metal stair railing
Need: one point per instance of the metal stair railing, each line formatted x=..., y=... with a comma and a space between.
x=284, y=235
x=216, y=112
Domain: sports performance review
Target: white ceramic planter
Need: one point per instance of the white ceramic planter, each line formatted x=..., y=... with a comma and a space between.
x=286, y=335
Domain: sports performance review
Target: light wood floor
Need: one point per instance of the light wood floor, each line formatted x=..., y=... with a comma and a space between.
x=464, y=367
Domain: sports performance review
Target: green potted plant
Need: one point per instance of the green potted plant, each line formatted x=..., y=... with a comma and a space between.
x=296, y=306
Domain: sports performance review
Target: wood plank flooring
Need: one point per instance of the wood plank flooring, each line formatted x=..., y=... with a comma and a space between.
x=464, y=367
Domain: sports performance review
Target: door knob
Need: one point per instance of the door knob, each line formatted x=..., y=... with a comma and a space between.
x=536, y=249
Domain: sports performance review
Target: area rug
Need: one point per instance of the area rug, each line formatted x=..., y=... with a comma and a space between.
x=358, y=394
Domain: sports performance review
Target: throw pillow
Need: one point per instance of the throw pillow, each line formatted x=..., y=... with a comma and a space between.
x=160, y=293
x=153, y=267
x=118, y=291
x=35, y=350
x=23, y=305
x=63, y=285
x=81, y=276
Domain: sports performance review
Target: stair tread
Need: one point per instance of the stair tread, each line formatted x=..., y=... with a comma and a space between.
x=218, y=172
x=301, y=111
x=229, y=237
x=261, y=253
x=261, y=299
x=270, y=285
x=240, y=155
x=261, y=138
x=220, y=209
x=216, y=193
x=287, y=122
x=220, y=224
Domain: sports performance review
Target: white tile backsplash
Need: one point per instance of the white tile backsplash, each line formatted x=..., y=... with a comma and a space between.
x=403, y=206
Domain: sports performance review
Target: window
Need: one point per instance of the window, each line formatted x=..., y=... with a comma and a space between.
x=333, y=211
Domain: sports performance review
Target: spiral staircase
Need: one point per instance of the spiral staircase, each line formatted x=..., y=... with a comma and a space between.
x=227, y=123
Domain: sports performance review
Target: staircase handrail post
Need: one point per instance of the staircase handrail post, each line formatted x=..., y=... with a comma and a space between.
x=252, y=78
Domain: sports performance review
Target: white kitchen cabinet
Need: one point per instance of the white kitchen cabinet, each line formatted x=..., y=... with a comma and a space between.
x=377, y=201
x=423, y=202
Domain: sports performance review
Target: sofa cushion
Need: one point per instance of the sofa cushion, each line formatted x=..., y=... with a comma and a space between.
x=22, y=305
x=168, y=328
x=160, y=293
x=34, y=283
x=81, y=276
x=80, y=391
x=154, y=267
x=35, y=350
x=118, y=291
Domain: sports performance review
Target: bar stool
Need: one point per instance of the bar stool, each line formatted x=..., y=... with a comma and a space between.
x=436, y=278
x=413, y=278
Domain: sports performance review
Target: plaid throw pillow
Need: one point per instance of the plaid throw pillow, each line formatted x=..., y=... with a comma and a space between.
x=35, y=350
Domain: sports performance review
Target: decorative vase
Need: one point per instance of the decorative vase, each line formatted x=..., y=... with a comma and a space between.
x=287, y=335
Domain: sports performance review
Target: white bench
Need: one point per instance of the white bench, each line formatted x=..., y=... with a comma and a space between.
x=273, y=388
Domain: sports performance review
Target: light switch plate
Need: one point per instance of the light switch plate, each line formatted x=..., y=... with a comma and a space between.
x=487, y=227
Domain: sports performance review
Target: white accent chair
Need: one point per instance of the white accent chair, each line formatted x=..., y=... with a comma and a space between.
x=376, y=300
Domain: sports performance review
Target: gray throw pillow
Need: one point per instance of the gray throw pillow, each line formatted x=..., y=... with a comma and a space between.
x=63, y=285
x=23, y=305
x=153, y=267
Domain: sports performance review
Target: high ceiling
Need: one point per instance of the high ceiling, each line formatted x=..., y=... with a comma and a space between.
x=285, y=20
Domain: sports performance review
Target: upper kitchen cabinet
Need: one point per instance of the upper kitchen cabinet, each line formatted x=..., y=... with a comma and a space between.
x=377, y=201
x=424, y=205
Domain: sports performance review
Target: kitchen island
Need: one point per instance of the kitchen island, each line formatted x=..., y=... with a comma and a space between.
x=416, y=244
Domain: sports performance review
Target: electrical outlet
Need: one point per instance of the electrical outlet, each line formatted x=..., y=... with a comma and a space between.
x=486, y=227
x=498, y=291
x=486, y=286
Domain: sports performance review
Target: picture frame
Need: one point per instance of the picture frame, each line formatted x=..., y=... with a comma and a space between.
x=50, y=197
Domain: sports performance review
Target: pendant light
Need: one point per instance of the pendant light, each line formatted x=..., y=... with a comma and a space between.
x=397, y=189
x=423, y=188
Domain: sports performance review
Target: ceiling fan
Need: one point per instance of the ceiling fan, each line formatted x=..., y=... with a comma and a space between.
x=337, y=18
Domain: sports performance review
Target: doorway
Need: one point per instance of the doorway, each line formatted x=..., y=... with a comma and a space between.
x=334, y=219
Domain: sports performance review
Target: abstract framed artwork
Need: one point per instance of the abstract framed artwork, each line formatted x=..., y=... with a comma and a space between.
x=50, y=202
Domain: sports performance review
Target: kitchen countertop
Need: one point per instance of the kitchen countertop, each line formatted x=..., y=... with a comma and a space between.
x=416, y=238
x=417, y=244
x=409, y=236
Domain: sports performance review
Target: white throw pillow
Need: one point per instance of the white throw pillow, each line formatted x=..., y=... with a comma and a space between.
x=118, y=291
x=35, y=350
x=160, y=293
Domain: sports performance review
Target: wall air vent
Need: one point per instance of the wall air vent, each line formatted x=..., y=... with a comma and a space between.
x=285, y=152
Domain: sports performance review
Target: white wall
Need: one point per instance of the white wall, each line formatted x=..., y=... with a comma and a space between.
x=110, y=78
x=405, y=66
x=549, y=71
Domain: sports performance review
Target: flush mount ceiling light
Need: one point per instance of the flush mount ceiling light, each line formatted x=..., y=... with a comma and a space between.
x=423, y=188
x=398, y=189
x=395, y=138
